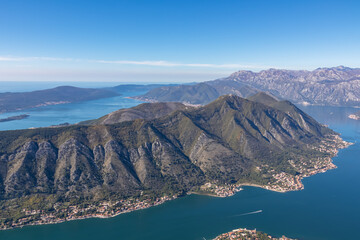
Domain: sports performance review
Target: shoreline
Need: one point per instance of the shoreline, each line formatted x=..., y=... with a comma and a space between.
x=208, y=189
x=95, y=215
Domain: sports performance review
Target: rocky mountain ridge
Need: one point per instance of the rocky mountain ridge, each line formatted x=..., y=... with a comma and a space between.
x=336, y=86
x=219, y=141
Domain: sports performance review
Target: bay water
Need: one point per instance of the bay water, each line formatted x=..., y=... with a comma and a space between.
x=65, y=113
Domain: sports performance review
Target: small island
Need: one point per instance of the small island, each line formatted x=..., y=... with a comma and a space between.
x=355, y=116
x=13, y=118
x=245, y=234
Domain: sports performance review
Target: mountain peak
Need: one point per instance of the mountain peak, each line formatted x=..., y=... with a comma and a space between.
x=264, y=98
x=145, y=111
x=230, y=98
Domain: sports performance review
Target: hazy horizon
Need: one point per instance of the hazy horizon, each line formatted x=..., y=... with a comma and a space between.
x=140, y=78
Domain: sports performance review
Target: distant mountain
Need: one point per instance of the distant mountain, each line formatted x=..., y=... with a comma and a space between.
x=197, y=94
x=337, y=86
x=194, y=94
x=231, y=140
x=59, y=95
x=137, y=87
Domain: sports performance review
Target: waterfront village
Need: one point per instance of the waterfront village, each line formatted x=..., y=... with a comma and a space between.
x=102, y=210
x=285, y=182
x=282, y=182
x=246, y=234
x=215, y=190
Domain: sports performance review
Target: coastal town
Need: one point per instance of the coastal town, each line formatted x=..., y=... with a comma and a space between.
x=281, y=182
x=213, y=189
x=284, y=182
x=246, y=234
x=103, y=210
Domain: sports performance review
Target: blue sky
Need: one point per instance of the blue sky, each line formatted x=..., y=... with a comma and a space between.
x=172, y=40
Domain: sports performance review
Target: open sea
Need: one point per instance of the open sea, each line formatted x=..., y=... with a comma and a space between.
x=328, y=207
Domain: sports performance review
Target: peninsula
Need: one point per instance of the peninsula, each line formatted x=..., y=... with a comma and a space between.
x=15, y=101
x=13, y=118
x=140, y=157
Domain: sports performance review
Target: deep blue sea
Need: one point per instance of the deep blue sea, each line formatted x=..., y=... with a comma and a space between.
x=328, y=207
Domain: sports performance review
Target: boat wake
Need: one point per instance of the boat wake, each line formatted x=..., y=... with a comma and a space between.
x=249, y=213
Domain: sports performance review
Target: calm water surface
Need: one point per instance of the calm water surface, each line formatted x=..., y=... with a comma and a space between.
x=328, y=207
x=70, y=113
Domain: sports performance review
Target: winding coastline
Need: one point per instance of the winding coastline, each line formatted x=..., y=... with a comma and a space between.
x=112, y=209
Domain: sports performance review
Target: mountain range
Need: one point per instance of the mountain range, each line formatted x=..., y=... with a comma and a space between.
x=336, y=86
x=158, y=148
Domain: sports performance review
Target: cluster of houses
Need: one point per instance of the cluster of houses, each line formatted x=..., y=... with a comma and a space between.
x=286, y=182
x=102, y=210
x=220, y=191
